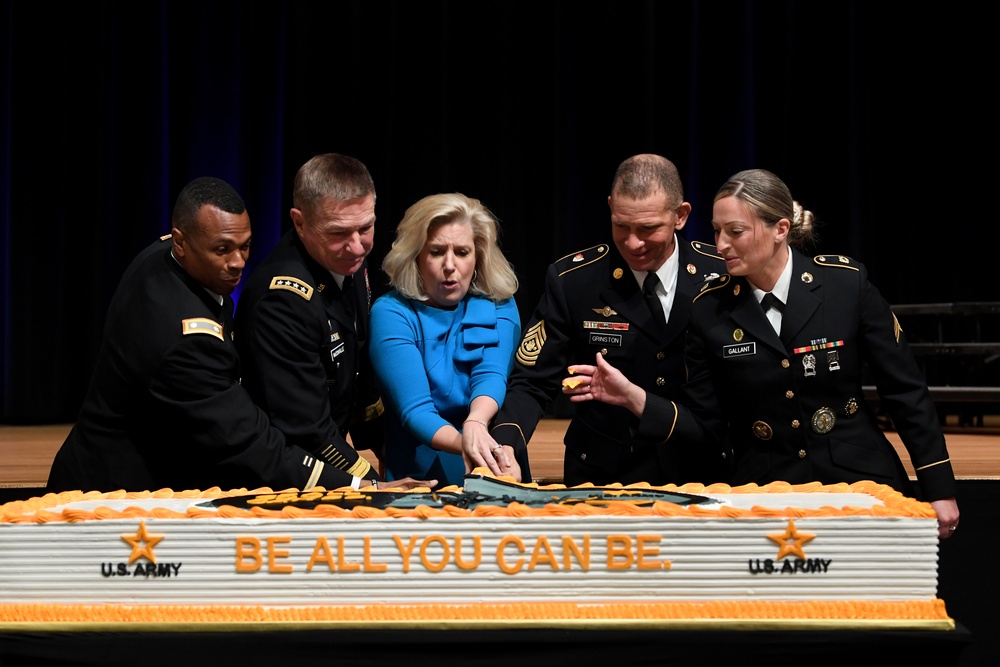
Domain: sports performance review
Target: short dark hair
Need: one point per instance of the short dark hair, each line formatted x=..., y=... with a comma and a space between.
x=202, y=191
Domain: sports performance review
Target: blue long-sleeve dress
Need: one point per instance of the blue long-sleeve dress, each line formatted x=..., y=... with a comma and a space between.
x=431, y=363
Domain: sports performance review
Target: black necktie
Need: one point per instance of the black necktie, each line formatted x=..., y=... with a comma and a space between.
x=653, y=301
x=348, y=290
x=770, y=301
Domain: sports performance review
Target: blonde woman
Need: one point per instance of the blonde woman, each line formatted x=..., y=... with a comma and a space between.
x=443, y=339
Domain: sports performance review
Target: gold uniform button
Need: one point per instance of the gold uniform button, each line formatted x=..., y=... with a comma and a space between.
x=785, y=363
x=789, y=394
x=796, y=423
x=802, y=453
x=660, y=356
x=660, y=382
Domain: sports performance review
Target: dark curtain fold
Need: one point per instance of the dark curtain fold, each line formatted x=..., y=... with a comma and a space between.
x=871, y=112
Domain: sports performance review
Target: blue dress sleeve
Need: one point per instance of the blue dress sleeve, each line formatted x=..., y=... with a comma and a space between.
x=399, y=365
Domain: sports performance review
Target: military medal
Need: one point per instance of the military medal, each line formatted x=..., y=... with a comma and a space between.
x=823, y=420
x=833, y=358
x=809, y=364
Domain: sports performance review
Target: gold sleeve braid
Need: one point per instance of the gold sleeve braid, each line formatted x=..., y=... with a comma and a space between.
x=374, y=410
x=358, y=468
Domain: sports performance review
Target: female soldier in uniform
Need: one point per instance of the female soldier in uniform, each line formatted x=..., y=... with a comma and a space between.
x=775, y=354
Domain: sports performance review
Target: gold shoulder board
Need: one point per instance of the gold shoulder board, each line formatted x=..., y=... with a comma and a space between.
x=202, y=325
x=720, y=281
x=840, y=261
x=706, y=249
x=291, y=284
x=575, y=260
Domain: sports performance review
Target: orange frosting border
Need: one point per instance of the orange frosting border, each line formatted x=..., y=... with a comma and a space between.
x=895, y=504
x=844, y=613
x=36, y=510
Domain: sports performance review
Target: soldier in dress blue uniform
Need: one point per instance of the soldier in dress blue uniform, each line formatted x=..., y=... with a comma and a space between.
x=783, y=382
x=594, y=303
x=302, y=323
x=165, y=408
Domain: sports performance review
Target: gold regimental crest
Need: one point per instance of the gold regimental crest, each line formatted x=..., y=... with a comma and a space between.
x=763, y=430
x=292, y=285
x=202, y=325
x=618, y=274
x=807, y=277
x=531, y=344
x=738, y=335
x=851, y=407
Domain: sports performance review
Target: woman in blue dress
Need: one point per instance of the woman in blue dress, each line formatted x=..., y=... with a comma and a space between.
x=443, y=339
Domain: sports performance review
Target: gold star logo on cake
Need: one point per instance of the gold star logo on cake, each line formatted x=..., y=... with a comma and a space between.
x=791, y=541
x=142, y=544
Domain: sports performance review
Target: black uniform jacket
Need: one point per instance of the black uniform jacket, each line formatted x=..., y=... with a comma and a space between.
x=165, y=408
x=592, y=304
x=303, y=345
x=793, y=404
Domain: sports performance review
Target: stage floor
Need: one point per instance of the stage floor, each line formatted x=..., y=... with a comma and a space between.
x=27, y=452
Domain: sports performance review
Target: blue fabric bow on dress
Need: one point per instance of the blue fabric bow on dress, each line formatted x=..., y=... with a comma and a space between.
x=478, y=330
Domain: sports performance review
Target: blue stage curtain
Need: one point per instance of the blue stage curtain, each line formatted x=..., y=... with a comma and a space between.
x=867, y=110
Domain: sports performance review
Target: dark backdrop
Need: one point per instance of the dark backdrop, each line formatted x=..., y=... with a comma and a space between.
x=878, y=115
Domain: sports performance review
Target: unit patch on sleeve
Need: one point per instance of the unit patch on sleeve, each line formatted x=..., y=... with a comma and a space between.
x=531, y=344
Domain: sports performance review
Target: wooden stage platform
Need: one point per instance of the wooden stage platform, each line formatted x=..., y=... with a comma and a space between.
x=967, y=582
x=26, y=453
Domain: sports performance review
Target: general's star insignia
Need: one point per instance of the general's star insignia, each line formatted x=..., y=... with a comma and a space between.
x=791, y=541
x=142, y=544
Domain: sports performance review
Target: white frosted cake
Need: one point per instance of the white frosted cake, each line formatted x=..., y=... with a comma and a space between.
x=859, y=555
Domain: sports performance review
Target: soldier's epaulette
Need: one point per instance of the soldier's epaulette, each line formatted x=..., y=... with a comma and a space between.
x=714, y=284
x=291, y=284
x=706, y=249
x=837, y=260
x=202, y=325
x=575, y=260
